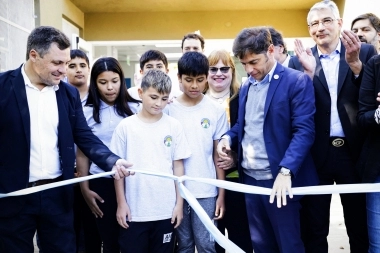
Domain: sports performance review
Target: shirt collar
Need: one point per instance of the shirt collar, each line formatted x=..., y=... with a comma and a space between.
x=29, y=83
x=104, y=105
x=286, y=62
x=266, y=79
x=335, y=52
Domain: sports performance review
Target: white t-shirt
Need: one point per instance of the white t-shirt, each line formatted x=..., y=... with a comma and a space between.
x=109, y=119
x=150, y=146
x=203, y=123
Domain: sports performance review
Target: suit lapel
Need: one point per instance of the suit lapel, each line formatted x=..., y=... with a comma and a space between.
x=343, y=68
x=273, y=86
x=319, y=74
x=63, y=125
x=22, y=101
x=243, y=103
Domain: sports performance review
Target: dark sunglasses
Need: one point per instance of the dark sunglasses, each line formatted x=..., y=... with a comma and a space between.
x=224, y=70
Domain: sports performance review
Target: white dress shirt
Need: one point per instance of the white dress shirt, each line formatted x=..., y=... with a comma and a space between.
x=43, y=110
x=330, y=65
x=286, y=62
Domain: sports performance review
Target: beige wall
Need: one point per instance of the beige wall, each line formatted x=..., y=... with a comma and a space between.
x=173, y=25
x=52, y=12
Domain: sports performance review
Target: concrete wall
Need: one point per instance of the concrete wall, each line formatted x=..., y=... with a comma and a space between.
x=16, y=22
x=52, y=12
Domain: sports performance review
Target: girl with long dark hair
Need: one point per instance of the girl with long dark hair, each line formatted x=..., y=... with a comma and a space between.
x=107, y=104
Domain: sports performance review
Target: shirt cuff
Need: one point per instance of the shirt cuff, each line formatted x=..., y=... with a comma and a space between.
x=227, y=137
x=377, y=116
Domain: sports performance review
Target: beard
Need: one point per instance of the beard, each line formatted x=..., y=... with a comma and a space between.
x=49, y=82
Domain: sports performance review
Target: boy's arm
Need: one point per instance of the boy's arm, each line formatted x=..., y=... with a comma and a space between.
x=220, y=174
x=83, y=166
x=178, y=170
x=123, y=210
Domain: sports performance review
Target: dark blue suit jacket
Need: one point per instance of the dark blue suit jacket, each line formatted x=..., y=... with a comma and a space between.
x=15, y=139
x=369, y=162
x=288, y=124
x=347, y=104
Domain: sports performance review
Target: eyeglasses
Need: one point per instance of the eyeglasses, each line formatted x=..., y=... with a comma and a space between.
x=214, y=70
x=325, y=22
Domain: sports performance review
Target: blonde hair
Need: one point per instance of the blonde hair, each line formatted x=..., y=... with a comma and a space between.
x=227, y=60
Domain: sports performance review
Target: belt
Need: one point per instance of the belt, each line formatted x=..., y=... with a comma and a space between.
x=44, y=181
x=337, y=141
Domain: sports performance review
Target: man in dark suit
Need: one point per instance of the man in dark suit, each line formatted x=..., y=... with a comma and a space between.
x=40, y=119
x=280, y=52
x=369, y=161
x=336, y=66
x=274, y=133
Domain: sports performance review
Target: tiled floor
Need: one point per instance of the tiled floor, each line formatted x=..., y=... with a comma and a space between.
x=338, y=239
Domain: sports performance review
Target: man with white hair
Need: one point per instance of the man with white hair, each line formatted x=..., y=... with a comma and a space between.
x=336, y=65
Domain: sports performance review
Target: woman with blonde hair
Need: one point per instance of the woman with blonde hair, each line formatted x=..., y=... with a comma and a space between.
x=223, y=88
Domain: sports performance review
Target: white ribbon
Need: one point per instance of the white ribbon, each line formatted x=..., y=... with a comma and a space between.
x=54, y=185
x=219, y=237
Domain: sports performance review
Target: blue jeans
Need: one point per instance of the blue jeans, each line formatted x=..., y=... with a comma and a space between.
x=373, y=220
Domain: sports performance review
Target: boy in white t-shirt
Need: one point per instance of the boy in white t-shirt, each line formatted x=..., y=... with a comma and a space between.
x=152, y=59
x=149, y=207
x=204, y=122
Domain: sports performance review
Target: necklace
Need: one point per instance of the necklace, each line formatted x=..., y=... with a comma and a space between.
x=220, y=99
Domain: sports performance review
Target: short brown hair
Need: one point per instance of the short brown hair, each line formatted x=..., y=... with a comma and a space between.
x=254, y=40
x=375, y=21
x=41, y=38
x=194, y=36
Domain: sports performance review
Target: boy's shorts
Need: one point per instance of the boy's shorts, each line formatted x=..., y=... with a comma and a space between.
x=147, y=237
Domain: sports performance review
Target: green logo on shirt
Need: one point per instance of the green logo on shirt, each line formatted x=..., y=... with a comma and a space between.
x=168, y=141
x=205, y=122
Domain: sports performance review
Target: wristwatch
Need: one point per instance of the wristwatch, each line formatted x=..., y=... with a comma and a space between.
x=285, y=172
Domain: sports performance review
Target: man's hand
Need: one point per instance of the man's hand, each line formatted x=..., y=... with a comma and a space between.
x=281, y=186
x=120, y=168
x=229, y=163
x=223, y=149
x=352, y=44
x=305, y=57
